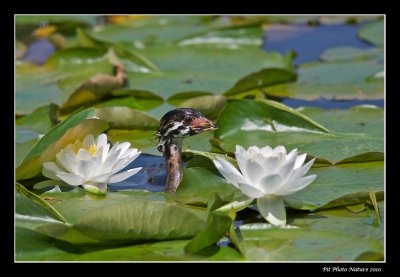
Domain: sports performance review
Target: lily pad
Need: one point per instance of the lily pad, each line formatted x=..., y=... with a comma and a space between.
x=32, y=210
x=344, y=53
x=353, y=132
x=373, y=33
x=199, y=184
x=145, y=141
x=343, y=185
x=152, y=30
x=127, y=118
x=191, y=68
x=339, y=80
x=53, y=82
x=30, y=128
x=261, y=242
x=33, y=246
x=135, y=219
x=37, y=19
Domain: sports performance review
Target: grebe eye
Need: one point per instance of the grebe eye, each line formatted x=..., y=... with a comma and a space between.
x=187, y=120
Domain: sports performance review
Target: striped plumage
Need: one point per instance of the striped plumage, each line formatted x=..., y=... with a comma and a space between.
x=174, y=126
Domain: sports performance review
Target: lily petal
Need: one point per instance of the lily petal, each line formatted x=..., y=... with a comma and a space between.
x=69, y=178
x=124, y=162
x=122, y=147
x=83, y=154
x=297, y=185
x=101, y=140
x=272, y=208
x=124, y=175
x=300, y=160
x=88, y=141
x=253, y=172
x=229, y=171
x=270, y=183
x=250, y=191
x=88, y=168
x=300, y=172
x=67, y=159
x=50, y=169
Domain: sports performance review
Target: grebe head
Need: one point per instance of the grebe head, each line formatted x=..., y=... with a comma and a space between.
x=180, y=123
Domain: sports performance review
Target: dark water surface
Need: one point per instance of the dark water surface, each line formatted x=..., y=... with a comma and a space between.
x=309, y=42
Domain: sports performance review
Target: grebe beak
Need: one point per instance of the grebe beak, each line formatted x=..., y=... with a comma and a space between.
x=203, y=124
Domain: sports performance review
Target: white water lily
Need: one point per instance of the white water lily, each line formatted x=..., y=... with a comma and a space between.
x=92, y=164
x=268, y=174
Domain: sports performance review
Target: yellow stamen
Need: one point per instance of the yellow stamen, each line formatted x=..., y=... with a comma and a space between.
x=92, y=149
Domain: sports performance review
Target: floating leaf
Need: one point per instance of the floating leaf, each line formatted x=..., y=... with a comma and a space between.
x=199, y=184
x=136, y=61
x=342, y=185
x=218, y=225
x=262, y=79
x=190, y=68
x=373, y=33
x=353, y=132
x=209, y=106
x=138, y=219
x=339, y=80
x=36, y=209
x=144, y=140
x=262, y=242
x=53, y=82
x=127, y=118
x=347, y=53
x=95, y=89
x=30, y=128
x=179, y=98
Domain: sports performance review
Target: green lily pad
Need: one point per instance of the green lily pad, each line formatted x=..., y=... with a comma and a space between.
x=261, y=242
x=343, y=185
x=347, y=53
x=190, y=68
x=31, y=210
x=199, y=184
x=160, y=251
x=137, y=219
x=373, y=33
x=159, y=29
x=37, y=19
x=31, y=127
x=339, y=80
x=33, y=246
x=145, y=141
x=53, y=82
x=353, y=132
x=127, y=118
x=218, y=225
x=179, y=98
x=140, y=100
x=262, y=79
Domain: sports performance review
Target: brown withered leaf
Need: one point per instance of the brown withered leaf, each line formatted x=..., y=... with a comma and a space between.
x=95, y=89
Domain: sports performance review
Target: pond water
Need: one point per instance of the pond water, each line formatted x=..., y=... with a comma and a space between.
x=310, y=41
